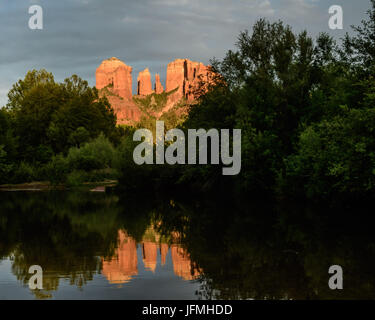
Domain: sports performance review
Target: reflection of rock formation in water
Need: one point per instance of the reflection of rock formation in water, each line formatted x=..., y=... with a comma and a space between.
x=150, y=254
x=182, y=265
x=123, y=266
x=163, y=253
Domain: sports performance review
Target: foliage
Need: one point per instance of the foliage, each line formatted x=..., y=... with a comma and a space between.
x=336, y=157
x=93, y=161
x=55, y=116
x=4, y=167
x=75, y=178
x=154, y=102
x=305, y=108
x=94, y=155
x=57, y=169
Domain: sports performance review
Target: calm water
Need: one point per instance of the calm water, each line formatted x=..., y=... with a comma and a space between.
x=102, y=246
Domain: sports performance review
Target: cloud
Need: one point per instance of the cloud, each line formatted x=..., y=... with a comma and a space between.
x=297, y=8
x=79, y=34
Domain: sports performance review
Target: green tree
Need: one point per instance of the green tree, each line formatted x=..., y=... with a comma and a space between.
x=336, y=157
x=51, y=117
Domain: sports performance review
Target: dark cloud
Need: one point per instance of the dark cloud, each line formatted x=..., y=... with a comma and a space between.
x=79, y=34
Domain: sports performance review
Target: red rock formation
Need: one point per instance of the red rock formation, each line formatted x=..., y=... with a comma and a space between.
x=158, y=86
x=175, y=79
x=126, y=111
x=144, y=83
x=198, y=75
x=114, y=80
x=150, y=255
x=123, y=266
x=182, y=265
x=116, y=75
x=186, y=76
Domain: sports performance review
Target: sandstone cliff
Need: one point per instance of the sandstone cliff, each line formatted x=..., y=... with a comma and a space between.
x=158, y=86
x=117, y=75
x=114, y=80
x=144, y=83
x=185, y=75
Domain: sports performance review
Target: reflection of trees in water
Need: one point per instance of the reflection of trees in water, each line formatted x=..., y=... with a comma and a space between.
x=67, y=233
x=249, y=249
x=262, y=250
x=63, y=233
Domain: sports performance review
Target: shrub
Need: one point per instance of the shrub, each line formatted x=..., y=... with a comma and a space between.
x=4, y=167
x=76, y=178
x=335, y=157
x=57, y=170
x=24, y=173
x=94, y=155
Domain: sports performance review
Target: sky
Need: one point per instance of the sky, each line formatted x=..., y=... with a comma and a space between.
x=78, y=34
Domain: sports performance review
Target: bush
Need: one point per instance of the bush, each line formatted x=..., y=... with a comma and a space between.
x=335, y=157
x=76, y=178
x=90, y=163
x=94, y=155
x=24, y=173
x=132, y=176
x=57, y=170
x=4, y=167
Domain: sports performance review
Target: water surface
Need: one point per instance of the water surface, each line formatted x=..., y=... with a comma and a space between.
x=101, y=246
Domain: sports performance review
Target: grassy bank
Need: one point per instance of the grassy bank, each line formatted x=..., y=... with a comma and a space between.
x=46, y=186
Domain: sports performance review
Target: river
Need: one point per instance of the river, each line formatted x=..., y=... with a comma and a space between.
x=96, y=245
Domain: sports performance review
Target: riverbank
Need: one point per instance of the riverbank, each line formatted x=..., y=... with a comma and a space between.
x=100, y=186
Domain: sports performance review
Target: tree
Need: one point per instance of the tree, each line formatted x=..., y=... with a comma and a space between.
x=278, y=81
x=359, y=50
x=51, y=117
x=336, y=157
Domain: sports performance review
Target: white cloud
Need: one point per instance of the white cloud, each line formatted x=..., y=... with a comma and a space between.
x=129, y=19
x=297, y=9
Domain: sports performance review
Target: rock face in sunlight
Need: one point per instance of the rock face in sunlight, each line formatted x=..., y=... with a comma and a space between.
x=114, y=80
x=175, y=79
x=124, y=265
x=158, y=86
x=144, y=83
x=125, y=110
x=116, y=75
x=186, y=76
